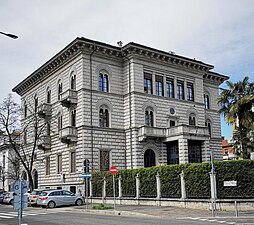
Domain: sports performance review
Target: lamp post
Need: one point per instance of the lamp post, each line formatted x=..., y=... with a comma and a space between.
x=9, y=35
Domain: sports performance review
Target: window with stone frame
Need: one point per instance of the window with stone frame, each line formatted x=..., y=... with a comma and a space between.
x=60, y=122
x=59, y=163
x=73, y=162
x=159, y=85
x=48, y=129
x=59, y=90
x=170, y=88
x=73, y=118
x=180, y=90
x=208, y=124
x=148, y=83
x=47, y=166
x=103, y=82
x=149, y=117
x=25, y=109
x=48, y=96
x=104, y=160
x=104, y=116
x=207, y=101
x=190, y=91
x=192, y=119
x=73, y=82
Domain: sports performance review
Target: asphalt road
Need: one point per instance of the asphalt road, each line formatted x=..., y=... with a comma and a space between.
x=79, y=216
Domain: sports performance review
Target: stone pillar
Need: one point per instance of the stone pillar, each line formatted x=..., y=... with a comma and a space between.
x=183, y=150
x=158, y=185
x=104, y=189
x=153, y=83
x=90, y=188
x=164, y=86
x=183, y=190
x=137, y=186
x=120, y=195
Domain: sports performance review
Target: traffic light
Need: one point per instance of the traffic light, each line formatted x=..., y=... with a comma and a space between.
x=86, y=166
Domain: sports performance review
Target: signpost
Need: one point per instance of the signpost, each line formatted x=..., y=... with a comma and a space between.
x=86, y=176
x=20, y=188
x=113, y=171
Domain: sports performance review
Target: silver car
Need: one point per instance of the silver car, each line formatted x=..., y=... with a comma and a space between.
x=53, y=198
x=8, y=198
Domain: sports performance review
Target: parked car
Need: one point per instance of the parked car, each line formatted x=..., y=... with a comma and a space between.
x=33, y=197
x=53, y=198
x=8, y=198
x=2, y=194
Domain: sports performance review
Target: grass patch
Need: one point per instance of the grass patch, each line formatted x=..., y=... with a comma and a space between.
x=102, y=207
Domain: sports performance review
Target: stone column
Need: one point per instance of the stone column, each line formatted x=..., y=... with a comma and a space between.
x=137, y=186
x=120, y=195
x=158, y=185
x=164, y=86
x=153, y=83
x=183, y=190
x=183, y=150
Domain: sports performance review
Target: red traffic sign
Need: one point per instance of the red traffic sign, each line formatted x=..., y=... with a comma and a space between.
x=113, y=170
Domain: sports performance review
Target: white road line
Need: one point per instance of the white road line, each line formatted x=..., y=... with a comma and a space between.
x=221, y=221
x=6, y=217
x=7, y=214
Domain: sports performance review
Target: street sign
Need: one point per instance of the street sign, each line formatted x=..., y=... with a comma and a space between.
x=88, y=175
x=231, y=183
x=113, y=170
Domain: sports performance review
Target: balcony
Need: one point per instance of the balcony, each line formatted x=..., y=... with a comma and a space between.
x=68, y=135
x=69, y=97
x=44, y=110
x=174, y=133
x=44, y=142
x=151, y=132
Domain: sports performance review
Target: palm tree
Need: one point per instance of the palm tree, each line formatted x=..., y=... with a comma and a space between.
x=236, y=103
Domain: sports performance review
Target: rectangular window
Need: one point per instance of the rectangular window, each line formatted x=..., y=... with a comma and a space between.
x=48, y=166
x=73, y=162
x=172, y=123
x=180, y=90
x=73, y=118
x=172, y=153
x=148, y=83
x=170, y=88
x=159, y=85
x=59, y=164
x=104, y=160
x=190, y=92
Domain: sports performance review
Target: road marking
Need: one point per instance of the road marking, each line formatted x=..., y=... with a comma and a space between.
x=6, y=217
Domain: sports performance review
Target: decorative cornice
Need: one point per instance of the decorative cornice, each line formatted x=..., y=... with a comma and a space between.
x=83, y=45
x=215, y=77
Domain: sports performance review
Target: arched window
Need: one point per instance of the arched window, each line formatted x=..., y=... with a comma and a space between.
x=35, y=174
x=73, y=118
x=35, y=103
x=149, y=158
x=73, y=82
x=206, y=101
x=208, y=124
x=103, y=82
x=59, y=89
x=149, y=117
x=104, y=117
x=60, y=122
x=192, y=119
x=25, y=109
x=48, y=96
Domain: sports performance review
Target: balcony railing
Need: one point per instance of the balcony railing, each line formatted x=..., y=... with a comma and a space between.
x=68, y=135
x=69, y=98
x=44, y=142
x=44, y=110
x=168, y=134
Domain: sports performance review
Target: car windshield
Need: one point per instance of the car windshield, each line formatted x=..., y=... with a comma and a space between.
x=36, y=192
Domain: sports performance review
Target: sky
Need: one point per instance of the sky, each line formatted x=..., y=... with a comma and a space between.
x=217, y=32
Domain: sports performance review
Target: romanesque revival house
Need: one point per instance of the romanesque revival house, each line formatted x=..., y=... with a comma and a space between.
x=129, y=106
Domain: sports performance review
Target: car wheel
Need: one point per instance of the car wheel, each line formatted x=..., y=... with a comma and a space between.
x=11, y=202
x=51, y=204
x=78, y=202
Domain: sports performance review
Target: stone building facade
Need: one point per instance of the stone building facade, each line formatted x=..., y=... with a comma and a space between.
x=130, y=106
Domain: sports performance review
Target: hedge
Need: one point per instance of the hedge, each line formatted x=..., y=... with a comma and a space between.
x=196, y=175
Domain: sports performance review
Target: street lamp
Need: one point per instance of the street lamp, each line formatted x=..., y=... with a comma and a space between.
x=9, y=35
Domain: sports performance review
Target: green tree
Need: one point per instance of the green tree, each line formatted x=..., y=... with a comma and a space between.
x=236, y=103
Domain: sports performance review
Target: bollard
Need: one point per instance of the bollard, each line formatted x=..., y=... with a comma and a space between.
x=236, y=210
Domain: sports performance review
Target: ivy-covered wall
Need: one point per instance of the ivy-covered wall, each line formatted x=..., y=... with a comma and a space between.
x=196, y=177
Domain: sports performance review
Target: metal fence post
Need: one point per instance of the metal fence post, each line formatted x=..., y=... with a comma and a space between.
x=158, y=185
x=183, y=190
x=137, y=186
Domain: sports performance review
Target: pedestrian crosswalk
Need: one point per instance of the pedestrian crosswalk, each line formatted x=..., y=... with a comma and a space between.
x=14, y=214
x=218, y=220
